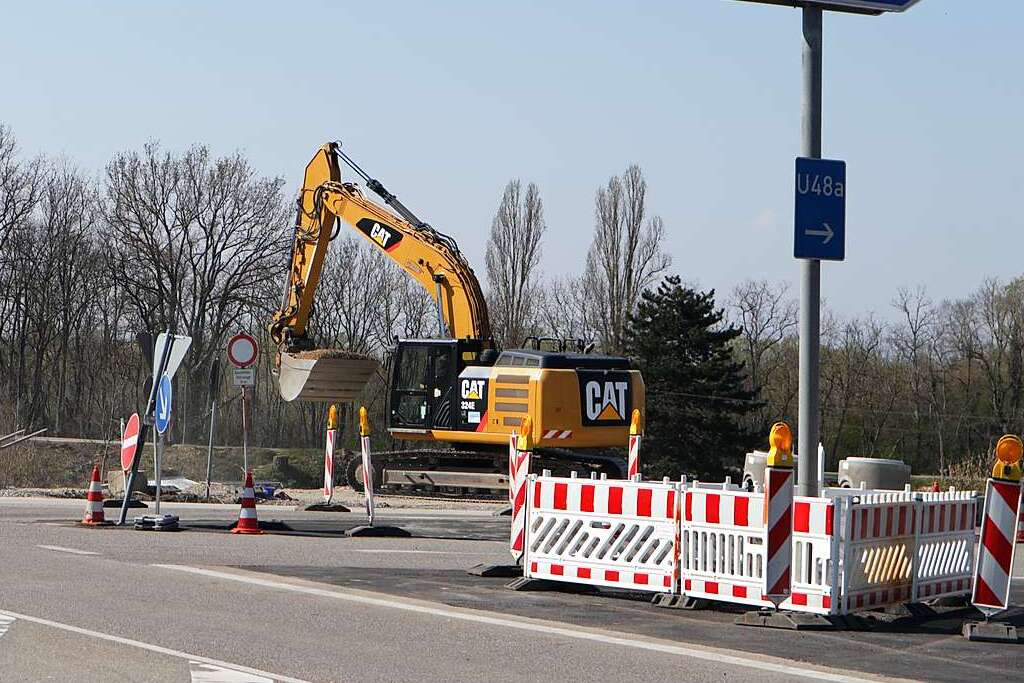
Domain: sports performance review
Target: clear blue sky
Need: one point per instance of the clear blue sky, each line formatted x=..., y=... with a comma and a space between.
x=445, y=101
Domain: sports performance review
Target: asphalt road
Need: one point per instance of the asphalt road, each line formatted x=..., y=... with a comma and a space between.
x=311, y=604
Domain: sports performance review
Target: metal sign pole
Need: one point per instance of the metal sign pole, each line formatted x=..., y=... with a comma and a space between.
x=130, y=485
x=157, y=447
x=245, y=435
x=209, y=448
x=810, y=269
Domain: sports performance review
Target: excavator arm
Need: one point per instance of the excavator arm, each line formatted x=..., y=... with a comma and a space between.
x=431, y=258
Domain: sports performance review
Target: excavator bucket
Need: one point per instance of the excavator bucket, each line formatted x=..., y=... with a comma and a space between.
x=324, y=375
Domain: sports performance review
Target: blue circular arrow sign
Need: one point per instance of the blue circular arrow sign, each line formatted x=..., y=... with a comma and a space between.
x=162, y=418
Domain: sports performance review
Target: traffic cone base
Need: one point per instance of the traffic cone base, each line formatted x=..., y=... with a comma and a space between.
x=94, y=501
x=247, y=522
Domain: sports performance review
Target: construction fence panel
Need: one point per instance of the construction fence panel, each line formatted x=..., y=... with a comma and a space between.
x=944, y=564
x=877, y=550
x=618, y=534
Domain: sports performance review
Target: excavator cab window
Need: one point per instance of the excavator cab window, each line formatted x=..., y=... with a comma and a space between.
x=423, y=385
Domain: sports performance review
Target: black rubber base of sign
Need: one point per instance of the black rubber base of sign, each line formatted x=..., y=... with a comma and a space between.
x=326, y=507
x=503, y=512
x=686, y=602
x=791, y=621
x=501, y=571
x=378, y=532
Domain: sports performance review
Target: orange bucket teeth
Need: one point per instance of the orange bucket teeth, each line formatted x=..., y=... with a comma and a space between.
x=247, y=522
x=94, y=501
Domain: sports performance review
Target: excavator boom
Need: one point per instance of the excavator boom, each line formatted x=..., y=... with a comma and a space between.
x=428, y=256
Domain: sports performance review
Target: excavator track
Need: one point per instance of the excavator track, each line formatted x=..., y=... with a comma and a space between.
x=460, y=474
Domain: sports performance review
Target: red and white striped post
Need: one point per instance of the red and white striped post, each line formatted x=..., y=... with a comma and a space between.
x=364, y=443
x=518, y=475
x=332, y=423
x=633, y=463
x=991, y=593
x=778, y=512
x=513, y=441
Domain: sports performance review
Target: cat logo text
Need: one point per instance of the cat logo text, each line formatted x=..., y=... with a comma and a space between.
x=604, y=398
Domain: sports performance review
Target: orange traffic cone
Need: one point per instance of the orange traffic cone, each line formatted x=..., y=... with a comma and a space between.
x=94, y=501
x=247, y=522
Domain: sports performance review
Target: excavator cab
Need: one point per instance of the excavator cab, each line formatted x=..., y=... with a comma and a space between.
x=424, y=392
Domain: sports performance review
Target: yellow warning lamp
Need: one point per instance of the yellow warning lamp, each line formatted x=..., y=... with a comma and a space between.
x=1009, y=450
x=364, y=422
x=332, y=417
x=634, y=424
x=780, y=441
x=525, y=442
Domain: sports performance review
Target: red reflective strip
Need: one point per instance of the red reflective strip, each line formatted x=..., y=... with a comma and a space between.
x=802, y=517
x=587, y=498
x=863, y=524
x=533, y=567
x=615, y=500
x=798, y=598
x=997, y=545
x=686, y=584
x=741, y=511
x=830, y=512
x=666, y=581
x=557, y=569
x=583, y=573
x=779, y=533
x=640, y=578
x=942, y=517
x=689, y=506
x=826, y=601
x=739, y=591
x=670, y=505
x=888, y=521
x=711, y=508
x=561, y=494
x=711, y=587
x=610, y=575
x=876, y=524
x=903, y=521
x=1009, y=492
x=536, y=494
x=643, y=502
x=931, y=519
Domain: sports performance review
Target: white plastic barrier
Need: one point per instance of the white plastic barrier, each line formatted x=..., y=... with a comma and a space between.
x=723, y=549
x=852, y=550
x=604, y=533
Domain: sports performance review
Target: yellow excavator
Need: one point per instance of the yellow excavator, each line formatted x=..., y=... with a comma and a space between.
x=461, y=389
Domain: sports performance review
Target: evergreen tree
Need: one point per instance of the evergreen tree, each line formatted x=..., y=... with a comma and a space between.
x=695, y=394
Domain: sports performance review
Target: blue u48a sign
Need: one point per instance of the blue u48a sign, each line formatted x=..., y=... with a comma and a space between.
x=820, y=214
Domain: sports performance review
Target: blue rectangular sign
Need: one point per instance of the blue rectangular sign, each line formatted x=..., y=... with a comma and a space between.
x=859, y=6
x=820, y=215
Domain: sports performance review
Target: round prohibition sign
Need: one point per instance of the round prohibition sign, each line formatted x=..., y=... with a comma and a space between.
x=242, y=350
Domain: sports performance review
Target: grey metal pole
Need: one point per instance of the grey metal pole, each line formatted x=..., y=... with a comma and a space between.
x=157, y=443
x=245, y=436
x=810, y=270
x=209, y=448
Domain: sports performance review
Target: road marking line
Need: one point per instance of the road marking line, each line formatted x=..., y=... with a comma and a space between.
x=5, y=623
x=62, y=549
x=208, y=673
x=752, y=661
x=149, y=646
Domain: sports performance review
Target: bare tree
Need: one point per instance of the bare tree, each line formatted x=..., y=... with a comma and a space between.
x=192, y=239
x=513, y=255
x=626, y=255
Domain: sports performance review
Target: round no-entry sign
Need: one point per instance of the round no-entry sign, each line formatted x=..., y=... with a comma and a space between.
x=242, y=350
x=129, y=441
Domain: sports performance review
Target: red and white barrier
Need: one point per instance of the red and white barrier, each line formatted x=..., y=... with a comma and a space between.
x=848, y=550
x=604, y=533
x=991, y=593
x=633, y=462
x=329, y=467
x=513, y=439
x=778, y=533
x=518, y=478
x=364, y=445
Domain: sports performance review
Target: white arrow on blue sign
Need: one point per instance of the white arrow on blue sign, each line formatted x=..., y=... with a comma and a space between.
x=163, y=404
x=819, y=219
